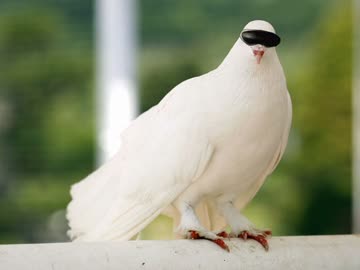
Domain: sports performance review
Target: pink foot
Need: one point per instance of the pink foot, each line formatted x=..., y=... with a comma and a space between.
x=219, y=242
x=260, y=237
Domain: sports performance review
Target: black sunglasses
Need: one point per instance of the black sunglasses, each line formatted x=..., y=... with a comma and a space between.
x=253, y=37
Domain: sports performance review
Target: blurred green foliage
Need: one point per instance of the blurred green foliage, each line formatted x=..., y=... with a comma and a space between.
x=46, y=85
x=47, y=113
x=324, y=124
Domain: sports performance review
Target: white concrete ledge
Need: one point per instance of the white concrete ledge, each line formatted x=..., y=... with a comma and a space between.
x=301, y=252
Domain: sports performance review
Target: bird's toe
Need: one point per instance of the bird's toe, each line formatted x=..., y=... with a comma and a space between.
x=192, y=234
x=257, y=235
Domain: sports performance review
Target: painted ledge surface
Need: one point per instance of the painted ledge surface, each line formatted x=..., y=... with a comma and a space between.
x=296, y=252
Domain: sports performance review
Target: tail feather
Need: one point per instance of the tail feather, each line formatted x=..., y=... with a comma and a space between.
x=90, y=199
x=124, y=220
x=86, y=210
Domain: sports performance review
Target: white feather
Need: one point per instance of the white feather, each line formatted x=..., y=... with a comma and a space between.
x=213, y=138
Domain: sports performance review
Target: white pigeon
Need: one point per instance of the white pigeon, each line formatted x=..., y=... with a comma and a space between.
x=199, y=156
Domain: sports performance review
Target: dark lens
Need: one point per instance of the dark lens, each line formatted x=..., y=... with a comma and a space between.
x=253, y=37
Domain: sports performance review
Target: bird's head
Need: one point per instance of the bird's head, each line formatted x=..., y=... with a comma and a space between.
x=260, y=37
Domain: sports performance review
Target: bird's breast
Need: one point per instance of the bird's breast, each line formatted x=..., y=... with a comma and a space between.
x=248, y=136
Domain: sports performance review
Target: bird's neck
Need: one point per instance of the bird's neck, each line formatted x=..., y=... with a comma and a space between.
x=241, y=61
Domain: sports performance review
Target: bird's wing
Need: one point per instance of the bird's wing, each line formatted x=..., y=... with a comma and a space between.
x=285, y=136
x=162, y=153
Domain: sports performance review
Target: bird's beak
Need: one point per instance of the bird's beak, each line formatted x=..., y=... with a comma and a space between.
x=258, y=51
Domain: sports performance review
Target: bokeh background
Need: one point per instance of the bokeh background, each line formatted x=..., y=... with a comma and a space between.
x=47, y=107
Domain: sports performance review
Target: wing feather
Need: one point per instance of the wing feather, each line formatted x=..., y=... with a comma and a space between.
x=162, y=153
x=285, y=136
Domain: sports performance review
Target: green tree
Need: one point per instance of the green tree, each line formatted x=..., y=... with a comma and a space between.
x=323, y=120
x=48, y=141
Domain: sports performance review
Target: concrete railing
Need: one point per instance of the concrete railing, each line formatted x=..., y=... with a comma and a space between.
x=302, y=252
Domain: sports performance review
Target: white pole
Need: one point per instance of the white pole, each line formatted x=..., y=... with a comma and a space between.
x=115, y=70
x=356, y=119
x=296, y=253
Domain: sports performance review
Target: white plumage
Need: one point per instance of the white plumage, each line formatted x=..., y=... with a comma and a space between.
x=209, y=144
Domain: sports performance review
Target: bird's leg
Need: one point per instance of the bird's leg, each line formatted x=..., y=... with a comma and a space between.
x=241, y=227
x=191, y=228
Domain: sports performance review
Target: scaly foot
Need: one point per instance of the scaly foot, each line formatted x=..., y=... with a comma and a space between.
x=259, y=236
x=217, y=239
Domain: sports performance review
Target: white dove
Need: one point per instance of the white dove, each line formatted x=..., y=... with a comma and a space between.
x=199, y=156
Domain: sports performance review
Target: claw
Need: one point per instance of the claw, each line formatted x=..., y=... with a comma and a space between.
x=194, y=235
x=244, y=235
x=261, y=238
x=268, y=232
x=219, y=242
x=223, y=234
